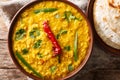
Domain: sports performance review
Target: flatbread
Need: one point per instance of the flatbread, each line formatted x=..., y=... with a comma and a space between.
x=106, y=15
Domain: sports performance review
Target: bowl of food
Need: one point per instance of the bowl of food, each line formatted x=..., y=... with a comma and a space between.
x=50, y=39
x=105, y=17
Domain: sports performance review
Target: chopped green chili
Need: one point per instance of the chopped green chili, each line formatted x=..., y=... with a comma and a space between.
x=25, y=51
x=28, y=65
x=34, y=33
x=76, y=47
x=67, y=48
x=69, y=16
x=63, y=32
x=53, y=68
x=60, y=33
x=45, y=10
x=37, y=44
x=20, y=34
x=70, y=67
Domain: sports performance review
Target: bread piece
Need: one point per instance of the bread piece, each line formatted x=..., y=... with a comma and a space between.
x=107, y=21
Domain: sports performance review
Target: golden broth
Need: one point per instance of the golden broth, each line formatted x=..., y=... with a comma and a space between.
x=29, y=30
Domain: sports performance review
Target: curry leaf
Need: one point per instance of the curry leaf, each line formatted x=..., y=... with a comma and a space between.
x=20, y=34
x=37, y=44
x=45, y=10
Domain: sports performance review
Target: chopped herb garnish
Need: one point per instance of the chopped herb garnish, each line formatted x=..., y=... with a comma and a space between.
x=25, y=51
x=67, y=48
x=40, y=55
x=19, y=56
x=70, y=67
x=53, y=68
x=45, y=10
x=69, y=16
x=80, y=19
x=57, y=16
x=34, y=33
x=63, y=32
x=76, y=47
x=37, y=44
x=60, y=33
x=20, y=34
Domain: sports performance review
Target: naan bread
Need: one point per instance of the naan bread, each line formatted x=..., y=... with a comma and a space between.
x=107, y=21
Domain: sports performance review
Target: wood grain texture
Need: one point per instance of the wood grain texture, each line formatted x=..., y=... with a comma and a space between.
x=101, y=65
x=5, y=60
x=11, y=74
x=107, y=75
x=100, y=74
x=3, y=30
x=8, y=71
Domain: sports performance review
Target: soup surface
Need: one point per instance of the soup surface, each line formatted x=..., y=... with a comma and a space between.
x=44, y=28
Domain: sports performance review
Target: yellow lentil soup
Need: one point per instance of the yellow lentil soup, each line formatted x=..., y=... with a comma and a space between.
x=34, y=49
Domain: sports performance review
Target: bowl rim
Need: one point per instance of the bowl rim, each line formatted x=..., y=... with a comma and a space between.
x=97, y=38
x=10, y=34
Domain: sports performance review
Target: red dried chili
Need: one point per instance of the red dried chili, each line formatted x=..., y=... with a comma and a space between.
x=56, y=46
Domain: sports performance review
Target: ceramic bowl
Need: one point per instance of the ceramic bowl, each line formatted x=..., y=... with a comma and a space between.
x=11, y=32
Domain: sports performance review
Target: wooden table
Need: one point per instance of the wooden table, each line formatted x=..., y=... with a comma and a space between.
x=8, y=70
x=101, y=65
